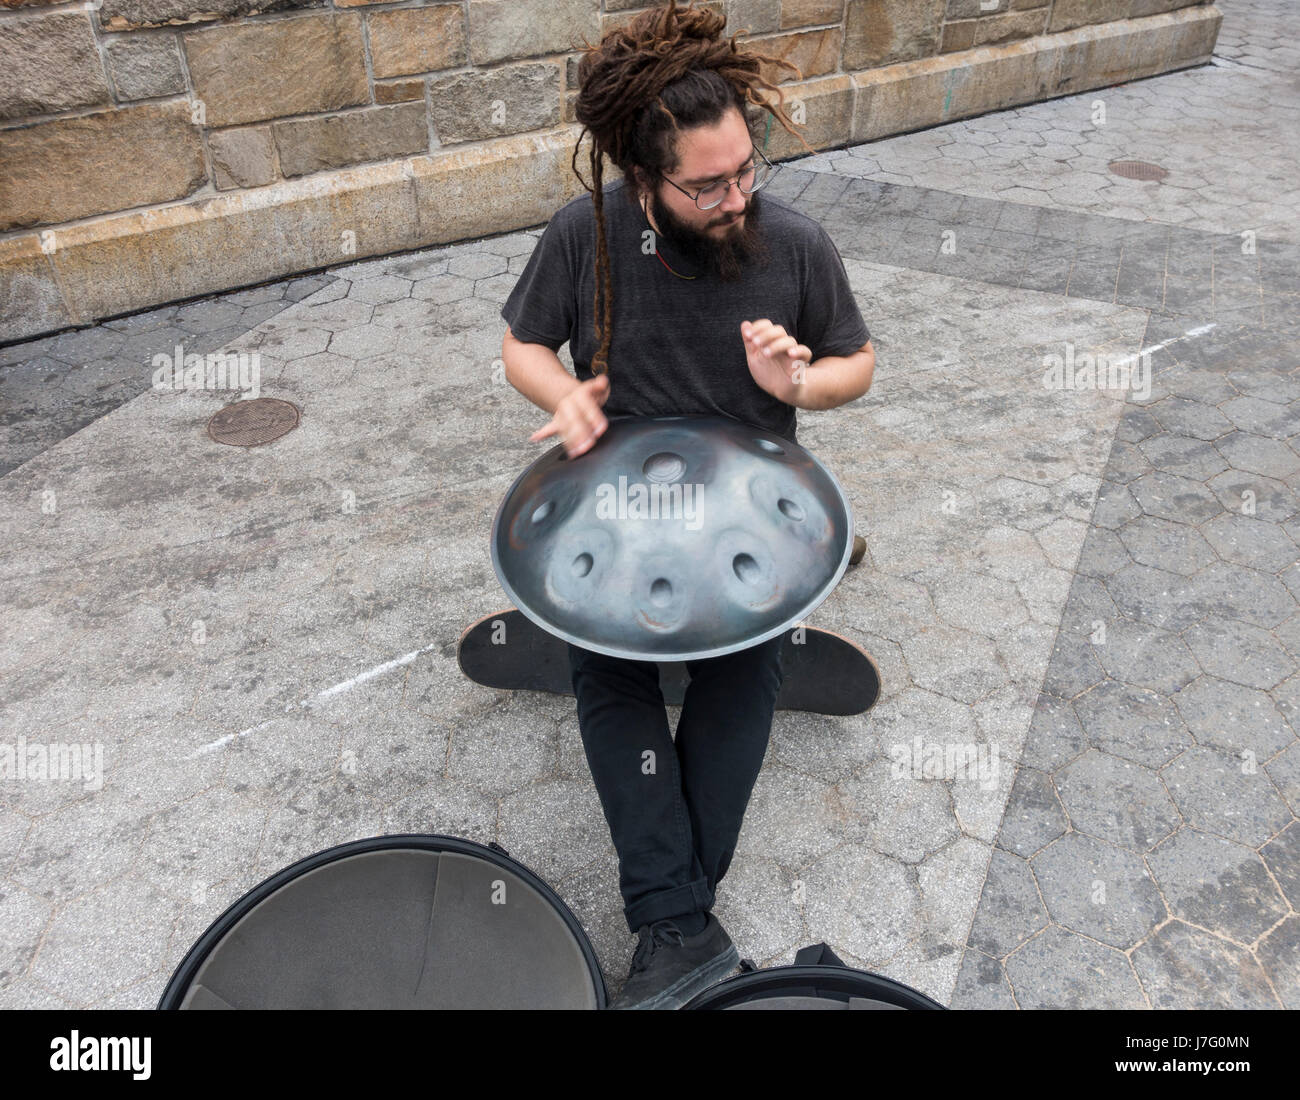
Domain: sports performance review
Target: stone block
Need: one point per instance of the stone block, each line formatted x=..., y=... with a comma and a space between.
x=809, y=13
x=50, y=64
x=399, y=91
x=134, y=260
x=827, y=111
x=504, y=29
x=77, y=167
x=1068, y=14
x=621, y=18
x=243, y=157
x=899, y=98
x=145, y=65
x=959, y=35
x=881, y=32
x=462, y=193
x=250, y=72
x=417, y=40
x=508, y=100
x=120, y=15
x=29, y=294
x=758, y=17
x=377, y=133
x=1159, y=7
x=816, y=53
x=1010, y=27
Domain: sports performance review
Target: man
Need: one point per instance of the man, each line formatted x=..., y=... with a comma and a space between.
x=679, y=290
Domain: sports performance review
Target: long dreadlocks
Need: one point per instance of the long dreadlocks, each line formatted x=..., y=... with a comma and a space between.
x=668, y=69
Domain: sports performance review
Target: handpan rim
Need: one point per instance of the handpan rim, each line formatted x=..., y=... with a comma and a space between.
x=661, y=655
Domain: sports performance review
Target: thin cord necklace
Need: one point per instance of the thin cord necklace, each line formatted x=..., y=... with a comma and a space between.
x=652, y=229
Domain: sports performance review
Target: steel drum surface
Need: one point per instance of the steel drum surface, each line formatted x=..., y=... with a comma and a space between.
x=673, y=538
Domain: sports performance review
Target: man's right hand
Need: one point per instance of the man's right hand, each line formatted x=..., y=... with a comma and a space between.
x=578, y=421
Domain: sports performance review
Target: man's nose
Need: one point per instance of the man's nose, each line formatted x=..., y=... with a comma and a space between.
x=736, y=200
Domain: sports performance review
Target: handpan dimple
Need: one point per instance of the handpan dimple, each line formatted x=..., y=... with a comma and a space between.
x=673, y=538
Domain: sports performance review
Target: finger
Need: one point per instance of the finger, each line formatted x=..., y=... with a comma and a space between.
x=760, y=330
x=780, y=344
x=802, y=351
x=543, y=433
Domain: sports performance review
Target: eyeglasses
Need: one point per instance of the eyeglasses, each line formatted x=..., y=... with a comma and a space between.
x=749, y=181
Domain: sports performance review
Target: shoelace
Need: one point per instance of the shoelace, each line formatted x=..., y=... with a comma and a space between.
x=660, y=933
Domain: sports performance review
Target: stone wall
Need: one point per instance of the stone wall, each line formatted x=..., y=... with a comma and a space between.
x=152, y=150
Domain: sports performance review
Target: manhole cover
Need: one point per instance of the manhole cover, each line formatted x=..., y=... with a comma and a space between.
x=248, y=423
x=1137, y=170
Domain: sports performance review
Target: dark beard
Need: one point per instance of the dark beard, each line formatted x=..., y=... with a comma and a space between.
x=728, y=257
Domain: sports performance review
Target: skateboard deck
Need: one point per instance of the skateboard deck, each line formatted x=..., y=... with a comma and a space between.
x=824, y=672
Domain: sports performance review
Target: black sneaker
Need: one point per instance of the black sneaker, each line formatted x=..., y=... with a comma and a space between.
x=668, y=968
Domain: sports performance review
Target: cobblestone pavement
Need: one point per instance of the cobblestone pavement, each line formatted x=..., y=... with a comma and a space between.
x=1092, y=588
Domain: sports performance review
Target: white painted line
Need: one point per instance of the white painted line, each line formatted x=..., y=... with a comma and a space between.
x=329, y=692
x=1190, y=334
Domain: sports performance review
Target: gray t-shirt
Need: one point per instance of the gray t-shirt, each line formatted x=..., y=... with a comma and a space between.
x=677, y=347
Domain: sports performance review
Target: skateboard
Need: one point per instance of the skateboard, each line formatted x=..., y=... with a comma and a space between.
x=823, y=672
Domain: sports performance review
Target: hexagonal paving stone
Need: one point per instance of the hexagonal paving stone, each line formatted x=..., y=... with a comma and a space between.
x=1177, y=454
x=1103, y=554
x=1215, y=883
x=1055, y=736
x=1018, y=504
x=292, y=340
x=1259, y=417
x=1265, y=498
x=1279, y=954
x=1282, y=855
x=1132, y=722
x=1228, y=591
x=978, y=603
x=1251, y=542
x=1060, y=969
x=1233, y=718
x=953, y=662
x=981, y=984
x=1183, y=967
x=1115, y=505
x=380, y=288
x=1180, y=416
x=477, y=265
x=1009, y=909
x=898, y=815
x=1116, y=800
x=1239, y=652
x=1154, y=596
x=363, y=342
x=1258, y=455
x=512, y=244
x=443, y=288
x=1225, y=795
x=1073, y=666
x=1136, y=425
x=1168, y=496
x=1166, y=545
x=1099, y=890
x=1136, y=653
x=1033, y=815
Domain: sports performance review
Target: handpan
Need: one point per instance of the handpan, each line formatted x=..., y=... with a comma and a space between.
x=673, y=538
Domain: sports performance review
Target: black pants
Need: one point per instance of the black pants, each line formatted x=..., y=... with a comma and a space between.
x=675, y=809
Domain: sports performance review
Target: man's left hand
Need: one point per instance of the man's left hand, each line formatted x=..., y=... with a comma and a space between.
x=777, y=360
